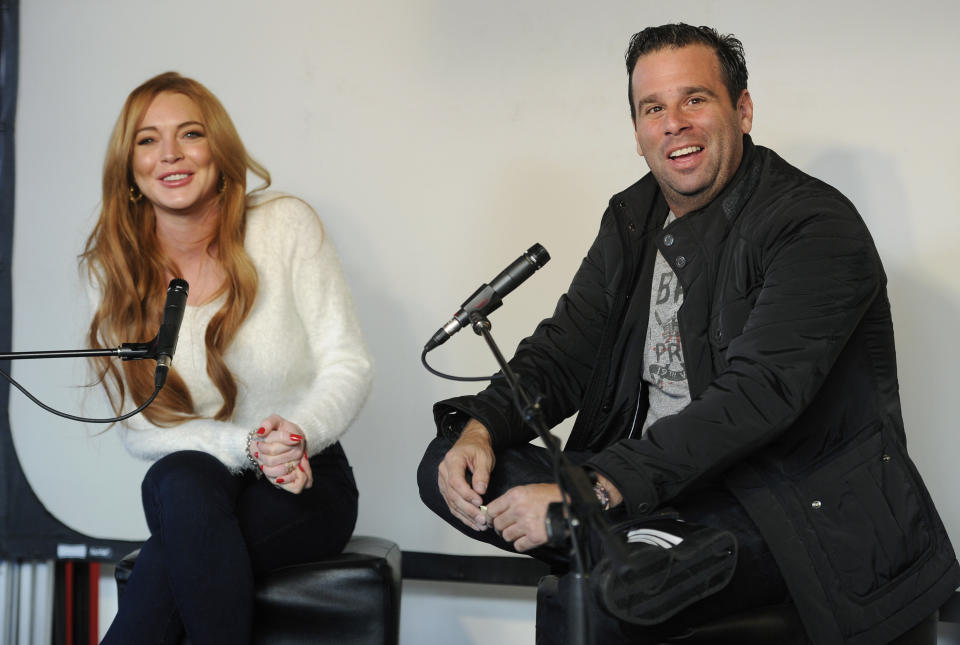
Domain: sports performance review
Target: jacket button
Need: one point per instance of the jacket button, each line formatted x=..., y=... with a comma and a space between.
x=621, y=204
x=643, y=507
x=681, y=262
x=816, y=504
x=668, y=240
x=632, y=227
x=718, y=334
x=885, y=458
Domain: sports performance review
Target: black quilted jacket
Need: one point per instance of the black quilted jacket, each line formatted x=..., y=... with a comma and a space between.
x=789, y=352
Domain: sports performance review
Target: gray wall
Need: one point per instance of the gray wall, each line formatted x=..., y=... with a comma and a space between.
x=439, y=139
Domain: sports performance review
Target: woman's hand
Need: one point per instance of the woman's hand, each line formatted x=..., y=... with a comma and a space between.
x=281, y=450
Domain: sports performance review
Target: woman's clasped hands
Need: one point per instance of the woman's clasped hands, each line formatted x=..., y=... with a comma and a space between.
x=280, y=449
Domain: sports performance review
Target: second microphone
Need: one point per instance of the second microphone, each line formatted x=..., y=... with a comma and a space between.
x=489, y=297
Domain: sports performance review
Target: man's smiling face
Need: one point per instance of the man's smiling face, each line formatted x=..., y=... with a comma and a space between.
x=686, y=126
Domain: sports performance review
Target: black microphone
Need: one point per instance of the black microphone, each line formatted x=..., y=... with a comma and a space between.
x=166, y=341
x=489, y=297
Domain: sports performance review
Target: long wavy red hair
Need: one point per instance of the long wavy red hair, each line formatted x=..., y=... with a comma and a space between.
x=126, y=262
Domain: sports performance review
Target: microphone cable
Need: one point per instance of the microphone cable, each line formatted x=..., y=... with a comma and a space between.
x=76, y=418
x=162, y=347
x=450, y=377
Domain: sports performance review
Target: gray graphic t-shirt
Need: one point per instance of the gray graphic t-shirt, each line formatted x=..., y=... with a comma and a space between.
x=663, y=365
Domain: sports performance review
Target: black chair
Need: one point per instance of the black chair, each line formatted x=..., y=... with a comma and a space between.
x=778, y=624
x=349, y=599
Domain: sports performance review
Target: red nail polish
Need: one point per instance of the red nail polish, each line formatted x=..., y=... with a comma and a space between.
x=295, y=437
x=261, y=430
x=280, y=480
x=256, y=455
x=261, y=466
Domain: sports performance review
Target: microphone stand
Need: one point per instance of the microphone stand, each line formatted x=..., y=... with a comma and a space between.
x=126, y=351
x=160, y=348
x=581, y=508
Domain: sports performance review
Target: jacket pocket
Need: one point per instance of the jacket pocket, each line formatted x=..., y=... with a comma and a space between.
x=729, y=317
x=869, y=515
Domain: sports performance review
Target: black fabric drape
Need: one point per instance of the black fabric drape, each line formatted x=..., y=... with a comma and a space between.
x=10, y=471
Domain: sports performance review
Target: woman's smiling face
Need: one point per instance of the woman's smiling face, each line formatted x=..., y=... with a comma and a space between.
x=172, y=162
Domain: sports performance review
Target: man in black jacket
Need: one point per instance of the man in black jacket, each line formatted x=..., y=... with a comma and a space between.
x=728, y=348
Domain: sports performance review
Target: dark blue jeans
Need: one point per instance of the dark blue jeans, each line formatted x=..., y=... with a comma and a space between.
x=756, y=581
x=212, y=533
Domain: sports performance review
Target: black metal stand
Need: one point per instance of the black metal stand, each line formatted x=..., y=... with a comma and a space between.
x=126, y=351
x=580, y=506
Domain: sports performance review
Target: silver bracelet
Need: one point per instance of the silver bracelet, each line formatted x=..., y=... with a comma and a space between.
x=598, y=489
x=602, y=496
x=257, y=468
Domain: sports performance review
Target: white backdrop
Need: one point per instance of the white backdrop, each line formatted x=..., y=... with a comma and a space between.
x=438, y=140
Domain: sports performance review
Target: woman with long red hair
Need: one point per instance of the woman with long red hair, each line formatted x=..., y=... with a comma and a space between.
x=270, y=370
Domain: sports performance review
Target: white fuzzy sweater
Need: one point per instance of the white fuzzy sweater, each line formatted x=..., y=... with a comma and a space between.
x=299, y=353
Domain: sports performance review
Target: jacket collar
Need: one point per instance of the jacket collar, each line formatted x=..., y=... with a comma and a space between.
x=645, y=202
x=724, y=209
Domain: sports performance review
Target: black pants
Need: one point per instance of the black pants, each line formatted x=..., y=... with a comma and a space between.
x=212, y=533
x=756, y=582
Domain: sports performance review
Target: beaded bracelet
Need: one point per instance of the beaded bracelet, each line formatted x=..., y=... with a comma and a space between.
x=257, y=468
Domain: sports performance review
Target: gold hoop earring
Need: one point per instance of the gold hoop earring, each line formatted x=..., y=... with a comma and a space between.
x=222, y=184
x=135, y=194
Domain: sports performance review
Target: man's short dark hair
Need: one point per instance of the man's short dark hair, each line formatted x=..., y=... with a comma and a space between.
x=728, y=48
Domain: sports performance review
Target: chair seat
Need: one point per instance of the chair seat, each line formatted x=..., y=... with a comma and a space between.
x=778, y=624
x=781, y=624
x=349, y=599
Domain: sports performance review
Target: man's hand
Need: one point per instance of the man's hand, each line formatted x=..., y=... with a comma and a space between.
x=520, y=514
x=473, y=451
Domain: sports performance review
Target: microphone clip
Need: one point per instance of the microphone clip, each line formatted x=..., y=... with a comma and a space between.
x=479, y=322
x=138, y=351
